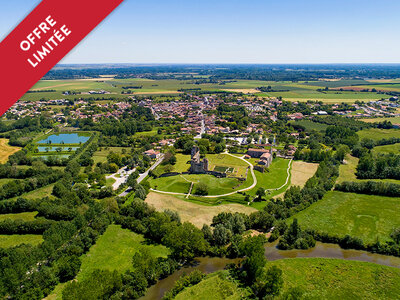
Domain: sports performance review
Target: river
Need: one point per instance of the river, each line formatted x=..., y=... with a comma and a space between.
x=323, y=250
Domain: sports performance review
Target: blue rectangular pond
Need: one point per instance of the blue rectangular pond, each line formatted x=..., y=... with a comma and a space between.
x=65, y=138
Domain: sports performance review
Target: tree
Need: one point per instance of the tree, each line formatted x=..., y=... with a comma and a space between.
x=201, y=189
x=271, y=282
x=131, y=181
x=67, y=267
x=260, y=193
x=221, y=235
x=73, y=168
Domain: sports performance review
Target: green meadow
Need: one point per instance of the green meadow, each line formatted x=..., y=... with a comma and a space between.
x=364, y=216
x=7, y=241
x=378, y=134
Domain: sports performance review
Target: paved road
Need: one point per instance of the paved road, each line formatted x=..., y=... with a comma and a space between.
x=143, y=175
x=120, y=177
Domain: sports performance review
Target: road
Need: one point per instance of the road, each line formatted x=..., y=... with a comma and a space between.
x=120, y=177
x=144, y=175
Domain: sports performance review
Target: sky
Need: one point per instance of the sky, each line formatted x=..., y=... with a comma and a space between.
x=235, y=31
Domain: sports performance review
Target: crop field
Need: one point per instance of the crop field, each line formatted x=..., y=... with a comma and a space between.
x=26, y=216
x=394, y=120
x=7, y=241
x=363, y=216
x=6, y=150
x=301, y=172
x=321, y=278
x=378, y=134
x=192, y=212
x=290, y=91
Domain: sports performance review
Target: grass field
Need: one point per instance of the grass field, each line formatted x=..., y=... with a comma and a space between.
x=301, y=91
x=347, y=172
x=364, y=216
x=394, y=120
x=26, y=216
x=181, y=183
x=7, y=241
x=395, y=148
x=216, y=286
x=321, y=278
x=192, y=212
x=114, y=251
x=101, y=155
x=225, y=160
x=301, y=172
x=37, y=194
x=378, y=134
x=6, y=150
x=310, y=125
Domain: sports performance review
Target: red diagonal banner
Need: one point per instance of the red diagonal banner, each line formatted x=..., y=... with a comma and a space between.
x=46, y=35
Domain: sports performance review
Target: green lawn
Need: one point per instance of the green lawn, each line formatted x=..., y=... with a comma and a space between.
x=26, y=216
x=37, y=194
x=7, y=241
x=216, y=286
x=378, y=134
x=363, y=216
x=225, y=160
x=114, y=251
x=321, y=278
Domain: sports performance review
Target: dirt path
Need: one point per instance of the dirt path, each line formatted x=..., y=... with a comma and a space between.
x=191, y=212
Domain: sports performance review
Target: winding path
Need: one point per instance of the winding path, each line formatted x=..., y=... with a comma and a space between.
x=234, y=192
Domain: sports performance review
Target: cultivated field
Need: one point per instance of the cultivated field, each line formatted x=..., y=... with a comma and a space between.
x=321, y=278
x=301, y=91
x=6, y=150
x=363, y=216
x=191, y=212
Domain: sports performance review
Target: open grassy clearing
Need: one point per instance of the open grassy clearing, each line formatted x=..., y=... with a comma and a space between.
x=310, y=125
x=216, y=286
x=37, y=194
x=103, y=152
x=347, y=172
x=322, y=278
x=26, y=216
x=394, y=120
x=378, y=134
x=6, y=150
x=7, y=241
x=226, y=160
x=302, y=171
x=192, y=212
x=395, y=148
x=114, y=251
x=363, y=216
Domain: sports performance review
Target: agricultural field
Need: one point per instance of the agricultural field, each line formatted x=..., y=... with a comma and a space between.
x=290, y=91
x=6, y=150
x=216, y=286
x=7, y=241
x=364, y=216
x=192, y=212
x=321, y=278
x=393, y=120
x=301, y=172
x=378, y=134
